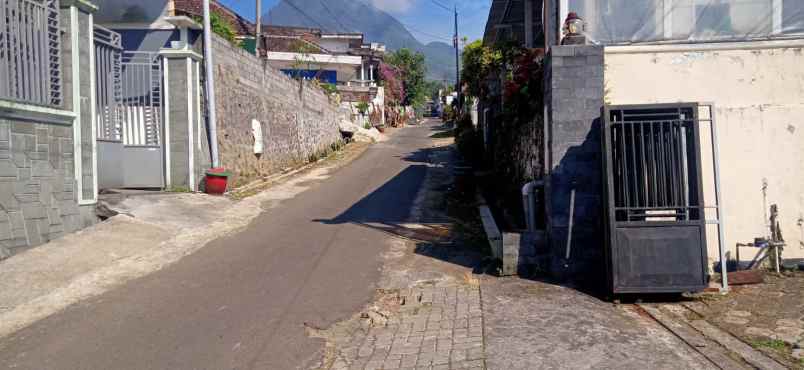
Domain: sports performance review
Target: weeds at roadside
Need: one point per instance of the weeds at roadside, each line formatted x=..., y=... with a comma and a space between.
x=443, y=134
x=178, y=189
x=773, y=344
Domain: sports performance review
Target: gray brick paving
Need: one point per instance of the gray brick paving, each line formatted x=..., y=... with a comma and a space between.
x=436, y=328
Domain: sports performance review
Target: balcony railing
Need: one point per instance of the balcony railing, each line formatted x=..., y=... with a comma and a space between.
x=30, y=69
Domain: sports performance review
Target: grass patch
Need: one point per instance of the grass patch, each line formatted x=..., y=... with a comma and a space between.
x=327, y=151
x=443, y=134
x=774, y=344
x=178, y=189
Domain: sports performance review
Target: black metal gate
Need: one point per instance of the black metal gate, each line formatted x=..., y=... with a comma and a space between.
x=655, y=217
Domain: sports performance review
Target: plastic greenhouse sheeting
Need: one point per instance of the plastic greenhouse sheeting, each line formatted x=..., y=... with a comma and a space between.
x=639, y=21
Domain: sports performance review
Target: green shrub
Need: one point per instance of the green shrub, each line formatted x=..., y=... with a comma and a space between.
x=220, y=27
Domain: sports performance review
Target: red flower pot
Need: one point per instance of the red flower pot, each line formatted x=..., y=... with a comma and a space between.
x=217, y=180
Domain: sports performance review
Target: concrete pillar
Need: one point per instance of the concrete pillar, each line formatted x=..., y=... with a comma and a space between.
x=78, y=71
x=574, y=102
x=185, y=133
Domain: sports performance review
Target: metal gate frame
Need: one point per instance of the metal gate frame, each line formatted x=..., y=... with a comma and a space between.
x=655, y=213
x=129, y=114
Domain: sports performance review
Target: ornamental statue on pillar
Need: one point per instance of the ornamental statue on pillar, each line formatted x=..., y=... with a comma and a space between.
x=574, y=30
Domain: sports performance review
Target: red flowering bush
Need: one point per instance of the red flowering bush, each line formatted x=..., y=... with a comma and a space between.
x=394, y=89
x=523, y=91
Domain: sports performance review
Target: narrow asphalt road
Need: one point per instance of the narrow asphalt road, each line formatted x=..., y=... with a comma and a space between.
x=242, y=301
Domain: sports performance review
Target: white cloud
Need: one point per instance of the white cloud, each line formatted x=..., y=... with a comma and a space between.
x=394, y=6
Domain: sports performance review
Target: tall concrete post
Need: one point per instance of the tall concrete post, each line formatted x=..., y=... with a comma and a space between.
x=185, y=135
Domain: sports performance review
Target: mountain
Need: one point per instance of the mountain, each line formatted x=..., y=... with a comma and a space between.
x=375, y=24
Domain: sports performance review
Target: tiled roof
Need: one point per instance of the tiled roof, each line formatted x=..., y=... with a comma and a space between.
x=194, y=8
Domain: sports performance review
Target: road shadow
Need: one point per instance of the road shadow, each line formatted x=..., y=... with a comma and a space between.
x=424, y=204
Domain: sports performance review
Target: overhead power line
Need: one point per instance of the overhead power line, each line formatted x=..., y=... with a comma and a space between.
x=302, y=12
x=440, y=4
x=335, y=17
x=413, y=29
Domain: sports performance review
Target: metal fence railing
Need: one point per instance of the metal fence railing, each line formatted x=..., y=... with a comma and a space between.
x=142, y=98
x=109, y=89
x=655, y=164
x=29, y=52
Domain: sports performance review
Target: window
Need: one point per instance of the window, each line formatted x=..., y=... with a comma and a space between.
x=29, y=52
x=629, y=21
x=793, y=16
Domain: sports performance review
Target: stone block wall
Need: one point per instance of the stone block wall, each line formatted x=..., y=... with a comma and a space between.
x=39, y=191
x=297, y=118
x=37, y=184
x=575, y=97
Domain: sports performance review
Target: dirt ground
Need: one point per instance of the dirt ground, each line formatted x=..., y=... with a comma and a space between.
x=769, y=316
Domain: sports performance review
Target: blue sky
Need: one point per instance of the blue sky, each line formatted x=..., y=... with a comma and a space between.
x=424, y=18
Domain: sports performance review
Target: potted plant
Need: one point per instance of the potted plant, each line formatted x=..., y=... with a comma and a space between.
x=217, y=181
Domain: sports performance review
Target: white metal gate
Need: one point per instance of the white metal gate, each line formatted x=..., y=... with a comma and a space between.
x=129, y=114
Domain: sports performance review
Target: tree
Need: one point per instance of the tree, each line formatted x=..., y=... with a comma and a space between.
x=478, y=61
x=412, y=70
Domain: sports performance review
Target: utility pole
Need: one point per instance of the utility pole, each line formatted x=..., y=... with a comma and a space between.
x=213, y=125
x=457, y=61
x=259, y=28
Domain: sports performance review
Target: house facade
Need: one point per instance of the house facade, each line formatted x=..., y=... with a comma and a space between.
x=731, y=67
x=343, y=60
x=743, y=60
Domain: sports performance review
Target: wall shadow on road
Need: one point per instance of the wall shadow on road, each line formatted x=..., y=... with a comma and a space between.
x=397, y=208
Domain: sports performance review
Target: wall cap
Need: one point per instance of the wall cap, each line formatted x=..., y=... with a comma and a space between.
x=84, y=5
x=575, y=50
x=711, y=46
x=35, y=113
x=180, y=53
x=183, y=21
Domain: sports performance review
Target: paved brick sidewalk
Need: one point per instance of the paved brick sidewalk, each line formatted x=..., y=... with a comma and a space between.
x=427, y=328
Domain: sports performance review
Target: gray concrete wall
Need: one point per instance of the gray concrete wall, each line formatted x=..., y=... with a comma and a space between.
x=298, y=120
x=575, y=97
x=37, y=186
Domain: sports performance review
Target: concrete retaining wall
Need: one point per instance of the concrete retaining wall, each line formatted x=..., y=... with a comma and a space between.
x=297, y=119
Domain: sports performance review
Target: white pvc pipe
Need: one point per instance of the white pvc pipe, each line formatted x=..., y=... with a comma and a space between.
x=529, y=205
x=210, y=82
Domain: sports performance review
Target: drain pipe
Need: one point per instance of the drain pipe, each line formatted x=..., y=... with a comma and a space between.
x=213, y=125
x=529, y=203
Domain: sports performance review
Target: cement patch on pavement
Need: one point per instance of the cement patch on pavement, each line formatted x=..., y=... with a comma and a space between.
x=536, y=325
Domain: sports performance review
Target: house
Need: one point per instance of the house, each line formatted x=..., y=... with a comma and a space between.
x=151, y=25
x=727, y=75
x=343, y=60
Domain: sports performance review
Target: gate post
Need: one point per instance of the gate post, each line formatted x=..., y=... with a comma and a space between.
x=185, y=135
x=79, y=87
x=574, y=100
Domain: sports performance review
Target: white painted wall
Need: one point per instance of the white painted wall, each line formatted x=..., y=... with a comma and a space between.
x=758, y=92
x=335, y=45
